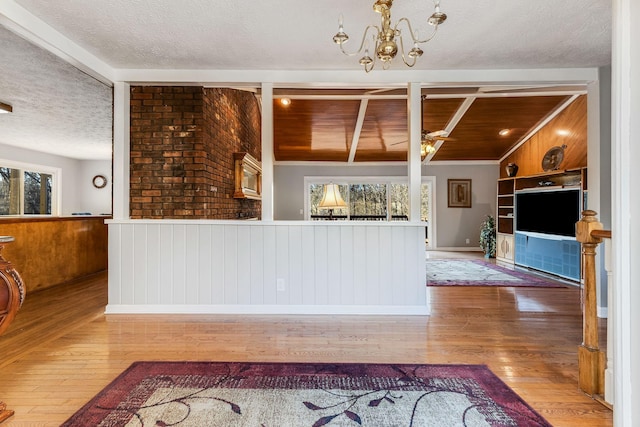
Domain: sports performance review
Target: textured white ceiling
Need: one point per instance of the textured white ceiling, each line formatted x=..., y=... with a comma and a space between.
x=66, y=109
x=296, y=34
x=57, y=109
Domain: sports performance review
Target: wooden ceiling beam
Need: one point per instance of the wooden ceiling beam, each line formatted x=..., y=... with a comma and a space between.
x=455, y=119
x=374, y=94
x=358, y=128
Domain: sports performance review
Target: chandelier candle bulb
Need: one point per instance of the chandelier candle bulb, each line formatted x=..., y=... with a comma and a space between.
x=340, y=37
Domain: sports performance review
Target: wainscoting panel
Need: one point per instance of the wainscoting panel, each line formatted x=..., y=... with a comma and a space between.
x=176, y=266
x=55, y=251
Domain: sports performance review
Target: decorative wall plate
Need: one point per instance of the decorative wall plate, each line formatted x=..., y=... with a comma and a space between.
x=552, y=158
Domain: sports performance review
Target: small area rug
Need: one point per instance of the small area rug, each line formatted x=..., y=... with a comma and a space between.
x=467, y=272
x=301, y=395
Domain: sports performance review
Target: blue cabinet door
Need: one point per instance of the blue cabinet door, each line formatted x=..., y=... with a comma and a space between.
x=559, y=257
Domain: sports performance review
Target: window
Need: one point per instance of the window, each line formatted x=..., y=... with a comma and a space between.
x=367, y=198
x=316, y=191
x=9, y=191
x=368, y=201
x=427, y=208
x=27, y=190
x=399, y=202
x=425, y=194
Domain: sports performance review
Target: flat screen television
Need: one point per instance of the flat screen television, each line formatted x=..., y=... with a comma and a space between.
x=548, y=211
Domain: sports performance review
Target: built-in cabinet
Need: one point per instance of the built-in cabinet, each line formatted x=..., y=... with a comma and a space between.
x=560, y=257
x=504, y=223
x=504, y=248
x=551, y=254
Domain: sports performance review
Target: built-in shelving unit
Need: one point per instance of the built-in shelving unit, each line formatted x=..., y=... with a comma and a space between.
x=505, y=220
x=559, y=179
x=506, y=211
x=506, y=205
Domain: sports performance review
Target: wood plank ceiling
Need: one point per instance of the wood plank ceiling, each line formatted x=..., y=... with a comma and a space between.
x=324, y=125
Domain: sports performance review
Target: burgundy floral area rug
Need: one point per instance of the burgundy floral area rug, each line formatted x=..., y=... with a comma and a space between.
x=301, y=395
x=472, y=272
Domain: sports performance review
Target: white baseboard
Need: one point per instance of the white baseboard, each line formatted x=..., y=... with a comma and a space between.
x=457, y=249
x=603, y=312
x=414, y=310
x=609, y=392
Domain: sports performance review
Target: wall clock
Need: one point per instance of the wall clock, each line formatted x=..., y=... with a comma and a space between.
x=99, y=181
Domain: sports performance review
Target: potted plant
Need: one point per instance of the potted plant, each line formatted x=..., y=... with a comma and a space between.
x=488, y=237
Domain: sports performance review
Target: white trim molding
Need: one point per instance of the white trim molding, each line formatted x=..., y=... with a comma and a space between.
x=247, y=309
x=625, y=209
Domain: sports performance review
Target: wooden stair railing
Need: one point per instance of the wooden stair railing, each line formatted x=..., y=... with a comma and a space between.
x=591, y=360
x=12, y=292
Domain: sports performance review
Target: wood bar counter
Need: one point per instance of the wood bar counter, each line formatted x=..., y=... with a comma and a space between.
x=50, y=251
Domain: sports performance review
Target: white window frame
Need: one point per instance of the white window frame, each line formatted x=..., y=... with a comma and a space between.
x=56, y=179
x=354, y=179
x=348, y=180
x=431, y=218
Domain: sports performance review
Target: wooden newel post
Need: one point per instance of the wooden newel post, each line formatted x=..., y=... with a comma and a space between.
x=12, y=294
x=591, y=361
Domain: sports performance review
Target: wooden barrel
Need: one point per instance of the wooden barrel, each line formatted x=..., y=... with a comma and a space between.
x=12, y=290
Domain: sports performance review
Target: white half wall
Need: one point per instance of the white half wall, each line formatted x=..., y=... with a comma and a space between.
x=297, y=267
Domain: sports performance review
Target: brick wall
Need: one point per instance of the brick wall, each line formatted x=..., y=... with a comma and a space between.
x=182, y=144
x=232, y=123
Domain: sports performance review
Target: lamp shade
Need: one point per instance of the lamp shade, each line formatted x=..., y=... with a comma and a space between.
x=331, y=198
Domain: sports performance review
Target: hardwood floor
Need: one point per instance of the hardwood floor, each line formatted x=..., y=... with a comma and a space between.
x=61, y=350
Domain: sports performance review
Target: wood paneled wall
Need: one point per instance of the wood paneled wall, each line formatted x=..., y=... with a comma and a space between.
x=52, y=251
x=252, y=267
x=573, y=120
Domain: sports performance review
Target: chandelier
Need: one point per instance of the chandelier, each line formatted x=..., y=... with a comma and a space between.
x=384, y=37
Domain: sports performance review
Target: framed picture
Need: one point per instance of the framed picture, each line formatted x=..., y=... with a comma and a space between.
x=459, y=193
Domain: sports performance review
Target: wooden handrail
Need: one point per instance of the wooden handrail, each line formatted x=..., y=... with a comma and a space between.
x=601, y=234
x=591, y=360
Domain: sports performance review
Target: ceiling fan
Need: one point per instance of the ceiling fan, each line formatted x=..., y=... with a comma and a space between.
x=428, y=138
x=439, y=135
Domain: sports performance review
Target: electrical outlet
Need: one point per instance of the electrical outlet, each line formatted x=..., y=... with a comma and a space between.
x=301, y=211
x=280, y=285
x=468, y=241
